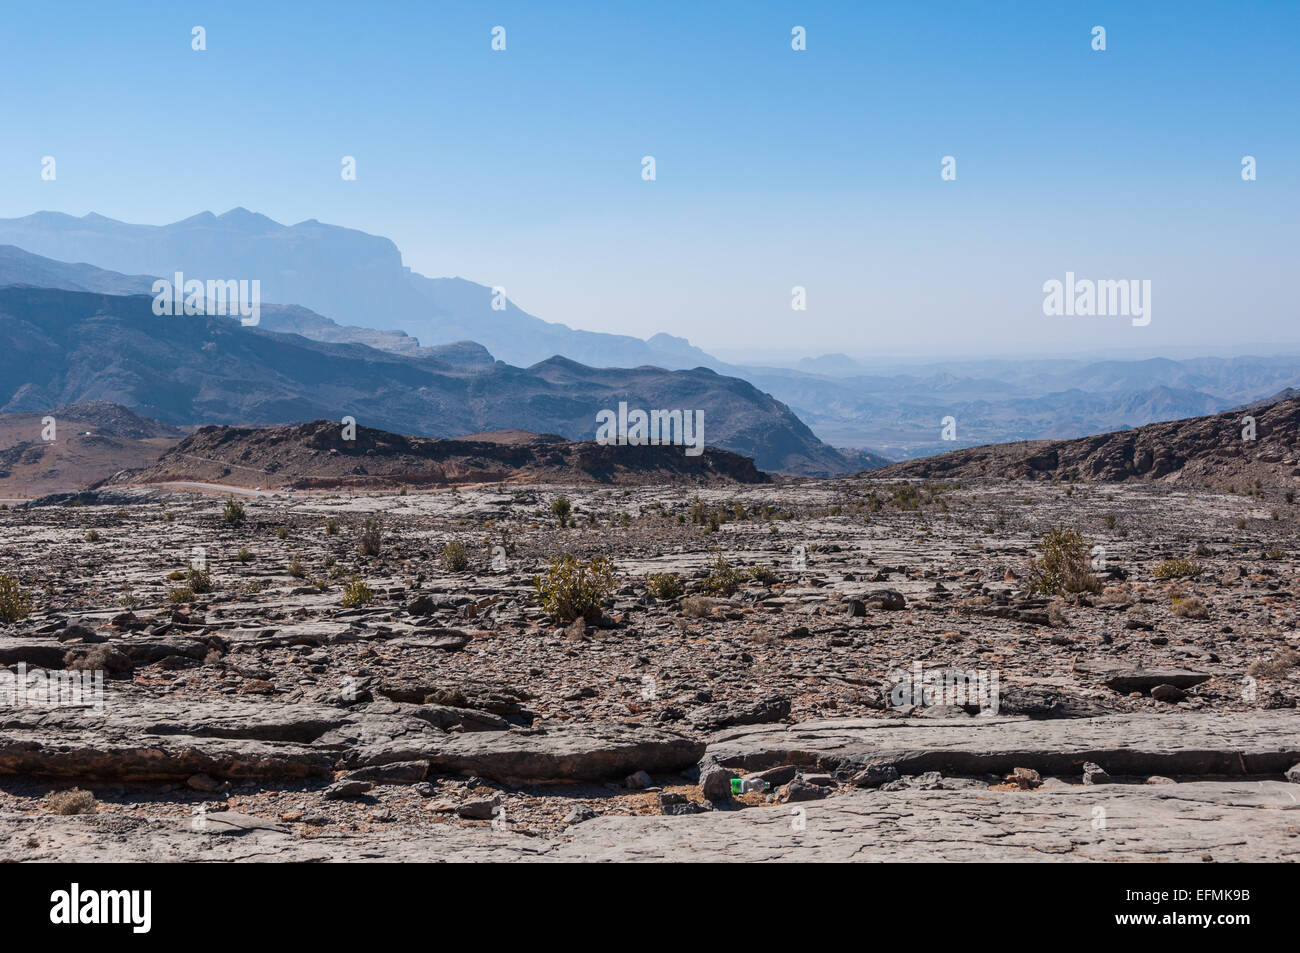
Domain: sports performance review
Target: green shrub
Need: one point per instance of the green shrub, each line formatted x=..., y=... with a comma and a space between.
x=1064, y=565
x=14, y=602
x=723, y=579
x=1177, y=569
x=574, y=590
x=199, y=580
x=665, y=585
x=455, y=557
x=561, y=508
x=331, y=527
x=233, y=513
x=356, y=594
x=764, y=575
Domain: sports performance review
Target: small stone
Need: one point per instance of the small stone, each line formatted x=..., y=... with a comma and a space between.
x=579, y=814
x=1168, y=693
x=480, y=810
x=201, y=782
x=342, y=790
x=1293, y=773
x=638, y=782
x=1160, y=779
x=1024, y=778
x=798, y=790
x=715, y=783
x=875, y=774
x=855, y=608
x=1095, y=774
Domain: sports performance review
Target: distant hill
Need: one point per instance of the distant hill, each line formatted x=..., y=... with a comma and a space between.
x=1201, y=451
x=346, y=275
x=314, y=456
x=22, y=268
x=92, y=441
x=59, y=347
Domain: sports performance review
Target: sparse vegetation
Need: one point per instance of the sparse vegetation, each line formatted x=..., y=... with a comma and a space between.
x=560, y=509
x=295, y=568
x=233, y=512
x=332, y=526
x=455, y=557
x=72, y=801
x=1063, y=566
x=1188, y=607
x=370, y=539
x=697, y=607
x=1177, y=569
x=1283, y=661
x=665, y=585
x=571, y=589
x=14, y=602
x=357, y=594
x=723, y=579
x=763, y=575
x=92, y=536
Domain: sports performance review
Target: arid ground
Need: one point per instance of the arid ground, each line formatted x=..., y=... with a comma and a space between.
x=248, y=713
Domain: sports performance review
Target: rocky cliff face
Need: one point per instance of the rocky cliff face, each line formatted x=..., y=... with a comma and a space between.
x=315, y=456
x=1206, y=451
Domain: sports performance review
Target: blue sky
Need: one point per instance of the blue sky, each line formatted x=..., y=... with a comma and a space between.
x=775, y=168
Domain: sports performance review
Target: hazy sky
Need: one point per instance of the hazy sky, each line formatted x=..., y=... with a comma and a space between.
x=775, y=168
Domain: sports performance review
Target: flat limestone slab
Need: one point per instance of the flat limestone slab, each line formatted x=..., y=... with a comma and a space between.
x=562, y=753
x=1264, y=742
x=1226, y=821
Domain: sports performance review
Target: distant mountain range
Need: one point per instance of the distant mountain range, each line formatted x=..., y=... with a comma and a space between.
x=1201, y=451
x=339, y=285
x=346, y=275
x=59, y=347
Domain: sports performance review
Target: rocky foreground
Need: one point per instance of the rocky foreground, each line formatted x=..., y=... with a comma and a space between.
x=247, y=713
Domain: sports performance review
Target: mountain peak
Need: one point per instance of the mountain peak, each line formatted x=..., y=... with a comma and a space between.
x=243, y=217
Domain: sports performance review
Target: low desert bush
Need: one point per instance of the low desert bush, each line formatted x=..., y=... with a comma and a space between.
x=665, y=585
x=1283, y=661
x=697, y=607
x=455, y=557
x=356, y=594
x=371, y=538
x=1188, y=607
x=14, y=602
x=1064, y=566
x=723, y=578
x=74, y=801
x=1177, y=569
x=570, y=589
x=233, y=512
